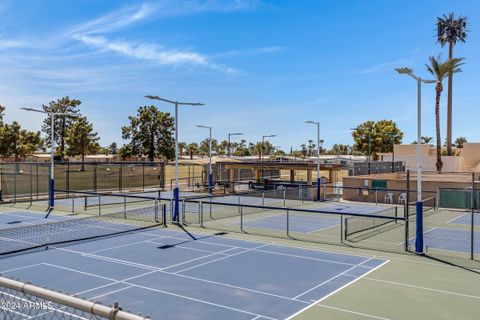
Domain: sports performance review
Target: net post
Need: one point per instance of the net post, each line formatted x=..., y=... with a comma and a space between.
x=85, y=204
x=288, y=223
x=73, y=204
x=99, y=205
x=156, y=209
x=341, y=228
x=239, y=204
x=241, y=218
x=263, y=198
x=200, y=209
x=183, y=211
x=210, y=208
x=125, y=207
x=164, y=214
x=284, y=198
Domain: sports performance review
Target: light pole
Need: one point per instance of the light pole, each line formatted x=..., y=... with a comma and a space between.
x=263, y=143
x=369, y=146
x=319, y=179
x=229, y=135
x=419, y=204
x=51, y=183
x=176, y=210
x=261, y=149
x=210, y=180
x=392, y=140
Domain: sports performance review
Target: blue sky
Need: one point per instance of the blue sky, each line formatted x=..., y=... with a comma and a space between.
x=261, y=67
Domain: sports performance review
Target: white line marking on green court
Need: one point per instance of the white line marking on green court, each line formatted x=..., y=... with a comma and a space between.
x=332, y=278
x=353, y=312
x=337, y=290
x=424, y=288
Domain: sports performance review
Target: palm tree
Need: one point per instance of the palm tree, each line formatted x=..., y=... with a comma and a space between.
x=440, y=69
x=181, y=147
x=426, y=139
x=449, y=31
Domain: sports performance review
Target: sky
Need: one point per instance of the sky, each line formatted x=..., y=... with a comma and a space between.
x=261, y=67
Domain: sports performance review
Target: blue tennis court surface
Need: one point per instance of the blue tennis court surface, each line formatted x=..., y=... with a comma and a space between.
x=170, y=274
x=451, y=240
x=312, y=222
x=297, y=222
x=467, y=219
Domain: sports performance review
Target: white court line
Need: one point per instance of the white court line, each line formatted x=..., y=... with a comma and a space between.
x=309, y=258
x=204, y=302
x=21, y=268
x=157, y=290
x=233, y=286
x=190, y=277
x=222, y=258
x=122, y=246
x=335, y=291
x=289, y=246
x=332, y=278
x=200, y=258
x=459, y=217
x=424, y=288
x=353, y=312
x=189, y=248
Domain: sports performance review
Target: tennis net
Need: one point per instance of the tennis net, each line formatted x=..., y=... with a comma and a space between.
x=429, y=207
x=368, y=226
x=23, y=238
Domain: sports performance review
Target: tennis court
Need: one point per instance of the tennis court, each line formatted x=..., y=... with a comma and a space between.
x=466, y=219
x=170, y=274
x=21, y=218
x=311, y=222
x=451, y=240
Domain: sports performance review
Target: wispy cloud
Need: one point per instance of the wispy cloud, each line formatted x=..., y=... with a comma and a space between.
x=248, y=52
x=93, y=33
x=114, y=20
x=386, y=65
x=13, y=43
x=168, y=57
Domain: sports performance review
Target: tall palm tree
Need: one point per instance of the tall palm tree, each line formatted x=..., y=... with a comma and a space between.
x=440, y=69
x=449, y=31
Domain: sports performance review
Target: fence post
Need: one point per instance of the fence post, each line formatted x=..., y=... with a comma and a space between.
x=37, y=179
x=143, y=175
x=94, y=176
x=67, y=179
x=406, y=211
x=120, y=173
x=15, y=183
x=31, y=184
x=472, y=222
